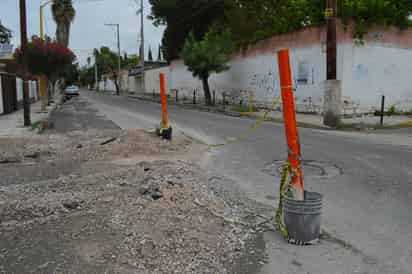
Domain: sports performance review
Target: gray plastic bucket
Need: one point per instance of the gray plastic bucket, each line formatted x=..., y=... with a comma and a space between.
x=302, y=218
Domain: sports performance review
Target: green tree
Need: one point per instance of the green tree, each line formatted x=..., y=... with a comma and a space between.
x=251, y=21
x=70, y=74
x=367, y=13
x=150, y=54
x=265, y=18
x=182, y=17
x=107, y=63
x=207, y=56
x=129, y=61
x=5, y=34
x=86, y=76
x=63, y=14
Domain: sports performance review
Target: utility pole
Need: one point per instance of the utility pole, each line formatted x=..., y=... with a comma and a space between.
x=42, y=78
x=23, y=34
x=96, y=80
x=118, y=52
x=331, y=51
x=119, y=60
x=332, y=88
x=142, y=43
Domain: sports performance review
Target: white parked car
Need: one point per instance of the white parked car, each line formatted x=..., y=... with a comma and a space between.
x=72, y=91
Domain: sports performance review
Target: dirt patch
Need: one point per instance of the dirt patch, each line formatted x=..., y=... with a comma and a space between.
x=97, y=216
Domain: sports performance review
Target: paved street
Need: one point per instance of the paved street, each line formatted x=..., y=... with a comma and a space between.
x=87, y=197
x=366, y=180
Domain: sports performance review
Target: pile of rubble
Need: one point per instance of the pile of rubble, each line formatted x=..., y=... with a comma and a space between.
x=150, y=217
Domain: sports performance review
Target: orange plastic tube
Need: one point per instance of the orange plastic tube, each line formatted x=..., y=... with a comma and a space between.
x=163, y=100
x=289, y=118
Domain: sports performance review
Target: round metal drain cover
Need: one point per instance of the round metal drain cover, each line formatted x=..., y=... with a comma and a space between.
x=310, y=169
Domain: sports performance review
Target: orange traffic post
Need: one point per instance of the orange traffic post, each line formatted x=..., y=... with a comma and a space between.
x=289, y=118
x=165, y=130
x=163, y=99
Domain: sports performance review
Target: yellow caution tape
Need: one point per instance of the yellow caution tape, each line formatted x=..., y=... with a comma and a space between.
x=253, y=127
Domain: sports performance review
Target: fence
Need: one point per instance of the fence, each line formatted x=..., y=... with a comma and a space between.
x=11, y=93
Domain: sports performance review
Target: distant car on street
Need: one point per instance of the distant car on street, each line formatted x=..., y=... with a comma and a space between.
x=71, y=91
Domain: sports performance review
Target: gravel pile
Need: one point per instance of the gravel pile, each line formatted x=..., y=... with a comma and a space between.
x=149, y=217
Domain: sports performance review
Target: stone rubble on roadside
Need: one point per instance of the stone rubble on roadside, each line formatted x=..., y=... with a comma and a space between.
x=160, y=214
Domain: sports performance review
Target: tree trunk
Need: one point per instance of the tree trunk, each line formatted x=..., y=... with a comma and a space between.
x=62, y=33
x=206, y=89
x=116, y=83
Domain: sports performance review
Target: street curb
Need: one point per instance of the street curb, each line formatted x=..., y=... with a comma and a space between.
x=232, y=113
x=280, y=121
x=45, y=121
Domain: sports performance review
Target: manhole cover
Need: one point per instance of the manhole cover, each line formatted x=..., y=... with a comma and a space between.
x=310, y=169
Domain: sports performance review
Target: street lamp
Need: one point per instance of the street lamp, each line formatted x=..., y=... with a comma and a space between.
x=42, y=79
x=140, y=12
x=42, y=5
x=118, y=48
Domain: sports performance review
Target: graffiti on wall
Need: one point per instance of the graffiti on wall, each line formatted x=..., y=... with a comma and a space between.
x=264, y=84
x=305, y=74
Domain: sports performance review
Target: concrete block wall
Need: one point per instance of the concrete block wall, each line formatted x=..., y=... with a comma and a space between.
x=378, y=65
x=152, y=82
x=258, y=75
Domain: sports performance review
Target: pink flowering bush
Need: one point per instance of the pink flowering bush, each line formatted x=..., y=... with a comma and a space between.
x=45, y=57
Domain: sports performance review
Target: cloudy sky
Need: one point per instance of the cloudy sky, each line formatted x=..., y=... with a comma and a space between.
x=88, y=30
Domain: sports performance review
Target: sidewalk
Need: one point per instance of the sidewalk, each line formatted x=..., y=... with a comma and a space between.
x=13, y=124
x=364, y=122
x=303, y=120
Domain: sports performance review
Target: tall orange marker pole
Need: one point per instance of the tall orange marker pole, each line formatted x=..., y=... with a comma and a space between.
x=163, y=99
x=289, y=117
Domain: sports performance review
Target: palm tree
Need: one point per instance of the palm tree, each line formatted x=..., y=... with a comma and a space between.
x=63, y=14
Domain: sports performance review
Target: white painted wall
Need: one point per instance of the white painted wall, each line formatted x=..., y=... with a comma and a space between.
x=259, y=75
x=367, y=72
x=32, y=89
x=152, y=80
x=382, y=65
x=373, y=70
x=108, y=85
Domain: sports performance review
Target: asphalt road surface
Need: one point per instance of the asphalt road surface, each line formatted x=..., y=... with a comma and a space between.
x=366, y=180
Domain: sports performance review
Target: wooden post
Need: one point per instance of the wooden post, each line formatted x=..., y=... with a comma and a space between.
x=331, y=51
x=382, y=109
x=43, y=90
x=163, y=101
x=289, y=117
x=23, y=39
